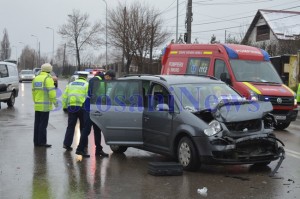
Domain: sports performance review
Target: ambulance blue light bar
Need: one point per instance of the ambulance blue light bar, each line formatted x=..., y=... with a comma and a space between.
x=231, y=53
x=265, y=54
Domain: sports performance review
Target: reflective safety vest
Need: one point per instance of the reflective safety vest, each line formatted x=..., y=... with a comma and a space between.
x=75, y=93
x=298, y=93
x=43, y=92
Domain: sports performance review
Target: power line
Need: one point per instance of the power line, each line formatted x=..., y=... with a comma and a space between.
x=168, y=9
x=232, y=3
x=247, y=24
x=253, y=10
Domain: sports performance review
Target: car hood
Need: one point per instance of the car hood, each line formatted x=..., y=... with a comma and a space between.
x=241, y=111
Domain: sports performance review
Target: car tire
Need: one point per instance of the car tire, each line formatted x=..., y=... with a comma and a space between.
x=282, y=125
x=118, y=149
x=187, y=154
x=11, y=101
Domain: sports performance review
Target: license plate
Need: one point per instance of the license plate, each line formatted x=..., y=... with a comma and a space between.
x=280, y=117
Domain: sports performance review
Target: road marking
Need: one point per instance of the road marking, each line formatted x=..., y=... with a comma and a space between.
x=292, y=153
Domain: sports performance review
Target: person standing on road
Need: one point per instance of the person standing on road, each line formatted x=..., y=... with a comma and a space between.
x=109, y=75
x=43, y=95
x=73, y=99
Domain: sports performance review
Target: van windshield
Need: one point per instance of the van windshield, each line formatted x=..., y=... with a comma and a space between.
x=254, y=71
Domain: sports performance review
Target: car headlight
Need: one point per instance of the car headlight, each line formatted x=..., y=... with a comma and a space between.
x=214, y=128
x=295, y=102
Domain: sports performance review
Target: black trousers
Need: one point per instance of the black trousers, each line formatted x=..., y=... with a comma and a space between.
x=40, y=127
x=74, y=113
x=88, y=123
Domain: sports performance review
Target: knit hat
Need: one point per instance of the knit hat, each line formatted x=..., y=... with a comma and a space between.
x=46, y=67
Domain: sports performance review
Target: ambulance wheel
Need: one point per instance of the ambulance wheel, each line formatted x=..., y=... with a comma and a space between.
x=282, y=125
x=187, y=154
x=118, y=149
x=11, y=101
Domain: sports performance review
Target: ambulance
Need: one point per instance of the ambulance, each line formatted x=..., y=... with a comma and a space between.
x=245, y=68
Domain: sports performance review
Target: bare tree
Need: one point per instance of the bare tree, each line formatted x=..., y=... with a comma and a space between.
x=232, y=40
x=28, y=58
x=136, y=31
x=156, y=34
x=5, y=46
x=79, y=33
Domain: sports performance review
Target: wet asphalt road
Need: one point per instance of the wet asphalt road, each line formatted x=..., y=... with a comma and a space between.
x=28, y=172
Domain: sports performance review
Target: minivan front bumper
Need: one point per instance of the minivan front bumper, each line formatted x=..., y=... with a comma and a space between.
x=245, y=150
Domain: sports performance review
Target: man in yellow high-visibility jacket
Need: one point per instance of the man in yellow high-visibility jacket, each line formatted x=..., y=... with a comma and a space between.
x=43, y=95
x=73, y=99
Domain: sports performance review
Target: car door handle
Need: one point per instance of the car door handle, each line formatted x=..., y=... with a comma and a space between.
x=146, y=119
x=97, y=113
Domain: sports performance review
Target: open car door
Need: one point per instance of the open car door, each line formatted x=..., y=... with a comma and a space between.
x=117, y=109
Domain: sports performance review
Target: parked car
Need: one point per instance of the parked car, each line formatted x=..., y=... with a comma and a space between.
x=192, y=119
x=75, y=75
x=36, y=71
x=9, y=84
x=26, y=75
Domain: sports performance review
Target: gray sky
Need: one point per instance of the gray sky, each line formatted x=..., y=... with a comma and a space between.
x=23, y=18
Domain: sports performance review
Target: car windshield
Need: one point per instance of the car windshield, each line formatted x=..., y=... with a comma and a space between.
x=26, y=72
x=200, y=96
x=254, y=71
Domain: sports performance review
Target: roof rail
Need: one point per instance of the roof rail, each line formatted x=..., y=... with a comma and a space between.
x=161, y=78
x=130, y=75
x=195, y=75
x=139, y=75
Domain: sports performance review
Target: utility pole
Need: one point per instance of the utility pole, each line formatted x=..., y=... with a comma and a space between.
x=64, y=58
x=189, y=19
x=177, y=24
x=225, y=37
x=39, y=55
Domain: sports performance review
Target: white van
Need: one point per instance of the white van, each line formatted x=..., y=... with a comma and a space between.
x=9, y=83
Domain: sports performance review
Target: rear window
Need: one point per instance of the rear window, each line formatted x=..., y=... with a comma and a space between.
x=198, y=66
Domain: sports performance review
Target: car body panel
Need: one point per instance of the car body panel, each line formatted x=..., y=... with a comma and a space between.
x=9, y=81
x=126, y=126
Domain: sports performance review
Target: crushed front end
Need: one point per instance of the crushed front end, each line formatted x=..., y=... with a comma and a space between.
x=240, y=133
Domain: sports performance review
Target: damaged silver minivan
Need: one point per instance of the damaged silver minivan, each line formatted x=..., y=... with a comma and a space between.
x=197, y=120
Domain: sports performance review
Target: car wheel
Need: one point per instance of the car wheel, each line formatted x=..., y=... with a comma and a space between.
x=187, y=154
x=118, y=149
x=282, y=125
x=11, y=100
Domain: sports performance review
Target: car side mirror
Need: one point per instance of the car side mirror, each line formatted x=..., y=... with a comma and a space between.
x=162, y=107
x=225, y=78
